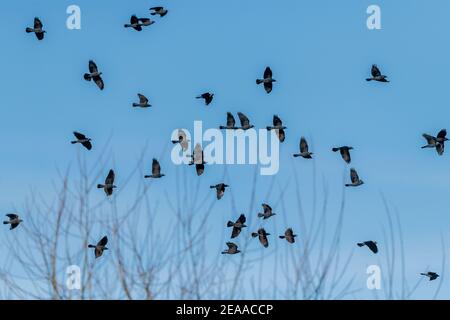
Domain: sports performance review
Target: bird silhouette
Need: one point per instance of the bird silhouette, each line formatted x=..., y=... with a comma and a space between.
x=156, y=170
x=220, y=189
x=431, y=275
x=289, y=235
x=109, y=183
x=232, y=248
x=372, y=245
x=356, y=181
x=37, y=29
x=182, y=140
x=94, y=75
x=237, y=226
x=137, y=23
x=262, y=235
x=345, y=153
x=143, y=102
x=231, y=123
x=159, y=10
x=376, y=75
x=14, y=220
x=278, y=126
x=82, y=139
x=267, y=80
x=267, y=212
x=208, y=97
x=304, y=150
x=437, y=142
x=99, y=247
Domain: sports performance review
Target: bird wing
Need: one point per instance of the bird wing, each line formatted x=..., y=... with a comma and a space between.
x=103, y=241
x=354, y=175
x=12, y=216
x=87, y=145
x=134, y=19
x=372, y=246
x=281, y=135
x=440, y=148
x=79, y=136
x=110, y=178
x=231, y=245
x=345, y=153
x=198, y=154
x=230, y=120
x=442, y=134
x=99, y=82
x=303, y=145
x=200, y=168
x=98, y=252
x=241, y=219
x=142, y=99
x=375, y=71
x=267, y=208
x=268, y=86
x=277, y=121
x=430, y=139
x=37, y=23
x=92, y=66
x=267, y=73
x=263, y=239
x=145, y=21
x=243, y=118
x=156, y=168
x=157, y=8
x=288, y=233
x=236, y=231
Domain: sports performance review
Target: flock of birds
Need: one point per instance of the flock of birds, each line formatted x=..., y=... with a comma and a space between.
x=197, y=158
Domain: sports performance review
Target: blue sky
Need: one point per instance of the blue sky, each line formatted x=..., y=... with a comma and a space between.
x=320, y=53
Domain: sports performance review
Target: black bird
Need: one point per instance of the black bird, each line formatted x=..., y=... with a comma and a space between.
x=143, y=102
x=232, y=248
x=81, y=138
x=245, y=123
x=94, y=75
x=278, y=126
x=289, y=235
x=109, y=183
x=14, y=220
x=267, y=212
x=356, y=181
x=376, y=75
x=262, y=235
x=207, y=96
x=268, y=80
x=137, y=23
x=156, y=170
x=100, y=247
x=431, y=275
x=304, y=150
x=220, y=189
x=436, y=142
x=159, y=10
x=345, y=153
x=198, y=159
x=182, y=140
x=37, y=29
x=237, y=226
x=231, y=123
x=372, y=245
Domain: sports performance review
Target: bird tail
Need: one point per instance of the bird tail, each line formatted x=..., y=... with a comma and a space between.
x=127, y=25
x=260, y=215
x=282, y=237
x=73, y=142
x=91, y=246
x=87, y=77
x=212, y=187
x=29, y=30
x=153, y=13
x=135, y=104
x=254, y=234
x=335, y=149
x=369, y=79
x=100, y=186
x=423, y=274
x=348, y=185
x=258, y=81
x=269, y=128
x=175, y=141
x=230, y=224
x=198, y=97
x=5, y=222
x=296, y=155
x=146, y=177
x=360, y=244
x=222, y=127
x=224, y=252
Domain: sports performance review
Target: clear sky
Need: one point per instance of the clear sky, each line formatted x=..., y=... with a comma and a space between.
x=320, y=52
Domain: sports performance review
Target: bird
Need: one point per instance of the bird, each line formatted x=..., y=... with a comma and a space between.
x=262, y=235
x=220, y=189
x=99, y=247
x=245, y=123
x=356, y=181
x=267, y=212
x=94, y=75
x=372, y=245
x=156, y=170
x=14, y=220
x=278, y=126
x=198, y=159
x=237, y=226
x=431, y=275
x=437, y=142
x=232, y=248
x=143, y=102
x=182, y=140
x=109, y=183
x=37, y=29
x=137, y=23
x=159, y=10
x=376, y=75
x=267, y=81
x=289, y=235
x=207, y=96
x=345, y=152
x=81, y=138
x=304, y=150
x=231, y=123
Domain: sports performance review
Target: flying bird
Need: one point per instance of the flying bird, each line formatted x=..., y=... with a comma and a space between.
x=431, y=275
x=208, y=97
x=109, y=183
x=372, y=245
x=237, y=226
x=245, y=123
x=345, y=153
x=278, y=126
x=156, y=170
x=262, y=235
x=376, y=75
x=198, y=159
x=182, y=140
x=304, y=150
x=231, y=123
x=267, y=212
x=159, y=10
x=81, y=138
x=437, y=142
x=356, y=181
x=289, y=235
x=267, y=81
x=14, y=220
x=137, y=23
x=94, y=75
x=99, y=247
x=143, y=102
x=37, y=29
x=220, y=189
x=232, y=248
